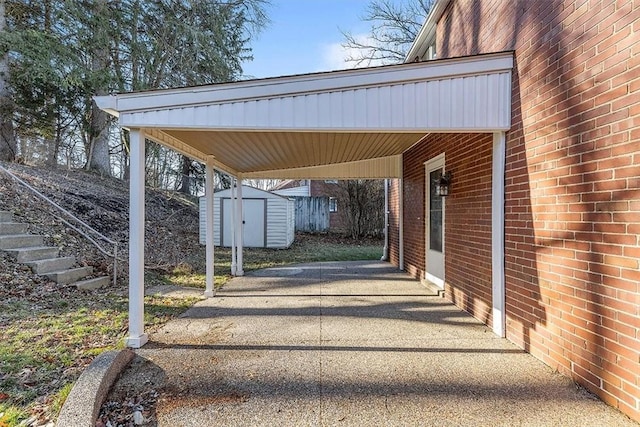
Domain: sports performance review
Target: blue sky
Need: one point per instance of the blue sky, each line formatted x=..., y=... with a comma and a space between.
x=304, y=37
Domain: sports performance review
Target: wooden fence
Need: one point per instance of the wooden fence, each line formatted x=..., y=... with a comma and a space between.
x=312, y=214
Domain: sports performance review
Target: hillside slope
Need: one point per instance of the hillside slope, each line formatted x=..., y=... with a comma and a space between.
x=171, y=234
x=49, y=333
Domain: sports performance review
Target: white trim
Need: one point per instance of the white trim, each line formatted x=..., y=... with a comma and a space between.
x=433, y=279
x=271, y=128
x=234, y=261
x=303, y=84
x=440, y=158
x=497, y=234
x=465, y=102
x=435, y=162
x=427, y=34
x=210, y=254
x=137, y=338
x=239, y=229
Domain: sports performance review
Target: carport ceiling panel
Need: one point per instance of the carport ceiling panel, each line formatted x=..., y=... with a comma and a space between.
x=259, y=151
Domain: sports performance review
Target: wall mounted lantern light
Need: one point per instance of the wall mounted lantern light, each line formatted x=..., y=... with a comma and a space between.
x=442, y=184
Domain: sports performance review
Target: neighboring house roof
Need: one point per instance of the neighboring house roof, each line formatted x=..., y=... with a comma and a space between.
x=287, y=183
x=340, y=125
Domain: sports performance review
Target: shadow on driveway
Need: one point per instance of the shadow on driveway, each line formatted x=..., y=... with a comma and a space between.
x=349, y=344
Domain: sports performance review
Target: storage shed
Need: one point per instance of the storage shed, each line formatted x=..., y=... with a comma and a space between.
x=269, y=219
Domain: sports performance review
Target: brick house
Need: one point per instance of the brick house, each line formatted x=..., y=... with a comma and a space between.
x=571, y=190
x=533, y=106
x=316, y=188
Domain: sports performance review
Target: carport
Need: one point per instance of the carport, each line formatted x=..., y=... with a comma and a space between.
x=338, y=125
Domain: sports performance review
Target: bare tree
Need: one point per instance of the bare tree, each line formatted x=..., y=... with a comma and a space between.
x=263, y=184
x=362, y=206
x=394, y=27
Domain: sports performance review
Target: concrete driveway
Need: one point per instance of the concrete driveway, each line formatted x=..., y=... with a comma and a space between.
x=350, y=344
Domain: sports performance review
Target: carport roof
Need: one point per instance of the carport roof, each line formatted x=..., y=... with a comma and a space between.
x=341, y=124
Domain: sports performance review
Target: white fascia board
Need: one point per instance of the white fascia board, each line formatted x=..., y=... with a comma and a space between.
x=427, y=34
x=504, y=125
x=311, y=83
x=108, y=103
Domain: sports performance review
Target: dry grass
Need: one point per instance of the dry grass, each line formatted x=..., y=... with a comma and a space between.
x=50, y=333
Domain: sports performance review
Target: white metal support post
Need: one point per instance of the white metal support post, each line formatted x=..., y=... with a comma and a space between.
x=240, y=230
x=210, y=255
x=137, y=338
x=232, y=227
x=497, y=234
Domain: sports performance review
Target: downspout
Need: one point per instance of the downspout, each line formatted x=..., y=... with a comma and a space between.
x=385, y=250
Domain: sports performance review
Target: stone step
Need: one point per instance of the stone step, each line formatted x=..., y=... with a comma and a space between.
x=6, y=216
x=12, y=228
x=14, y=241
x=24, y=255
x=92, y=284
x=50, y=265
x=71, y=275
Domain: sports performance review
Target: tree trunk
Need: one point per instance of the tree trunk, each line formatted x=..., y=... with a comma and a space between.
x=7, y=135
x=51, y=150
x=185, y=182
x=98, y=151
x=124, y=137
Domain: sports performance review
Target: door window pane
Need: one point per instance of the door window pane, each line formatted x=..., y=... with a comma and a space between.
x=435, y=213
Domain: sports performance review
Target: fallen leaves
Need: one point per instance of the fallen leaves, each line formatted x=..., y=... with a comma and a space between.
x=50, y=333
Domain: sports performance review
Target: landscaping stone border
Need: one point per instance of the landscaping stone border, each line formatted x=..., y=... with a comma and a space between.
x=87, y=395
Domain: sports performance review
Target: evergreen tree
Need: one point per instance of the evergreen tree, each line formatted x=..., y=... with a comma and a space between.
x=61, y=53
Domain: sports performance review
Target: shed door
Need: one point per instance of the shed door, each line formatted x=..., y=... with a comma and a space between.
x=254, y=218
x=434, y=224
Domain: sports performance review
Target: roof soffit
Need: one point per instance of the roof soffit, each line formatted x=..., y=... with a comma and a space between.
x=261, y=128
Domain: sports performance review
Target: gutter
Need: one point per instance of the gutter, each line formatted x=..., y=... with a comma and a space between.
x=108, y=103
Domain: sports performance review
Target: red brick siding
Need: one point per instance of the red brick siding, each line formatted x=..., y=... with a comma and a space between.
x=467, y=217
x=572, y=181
x=413, y=193
x=329, y=189
x=394, y=221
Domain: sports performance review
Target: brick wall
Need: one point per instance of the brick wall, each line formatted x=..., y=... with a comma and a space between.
x=572, y=181
x=394, y=221
x=467, y=217
x=330, y=189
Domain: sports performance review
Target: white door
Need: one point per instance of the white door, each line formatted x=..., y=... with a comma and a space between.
x=434, y=223
x=253, y=217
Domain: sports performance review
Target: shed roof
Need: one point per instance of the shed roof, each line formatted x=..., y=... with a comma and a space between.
x=249, y=192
